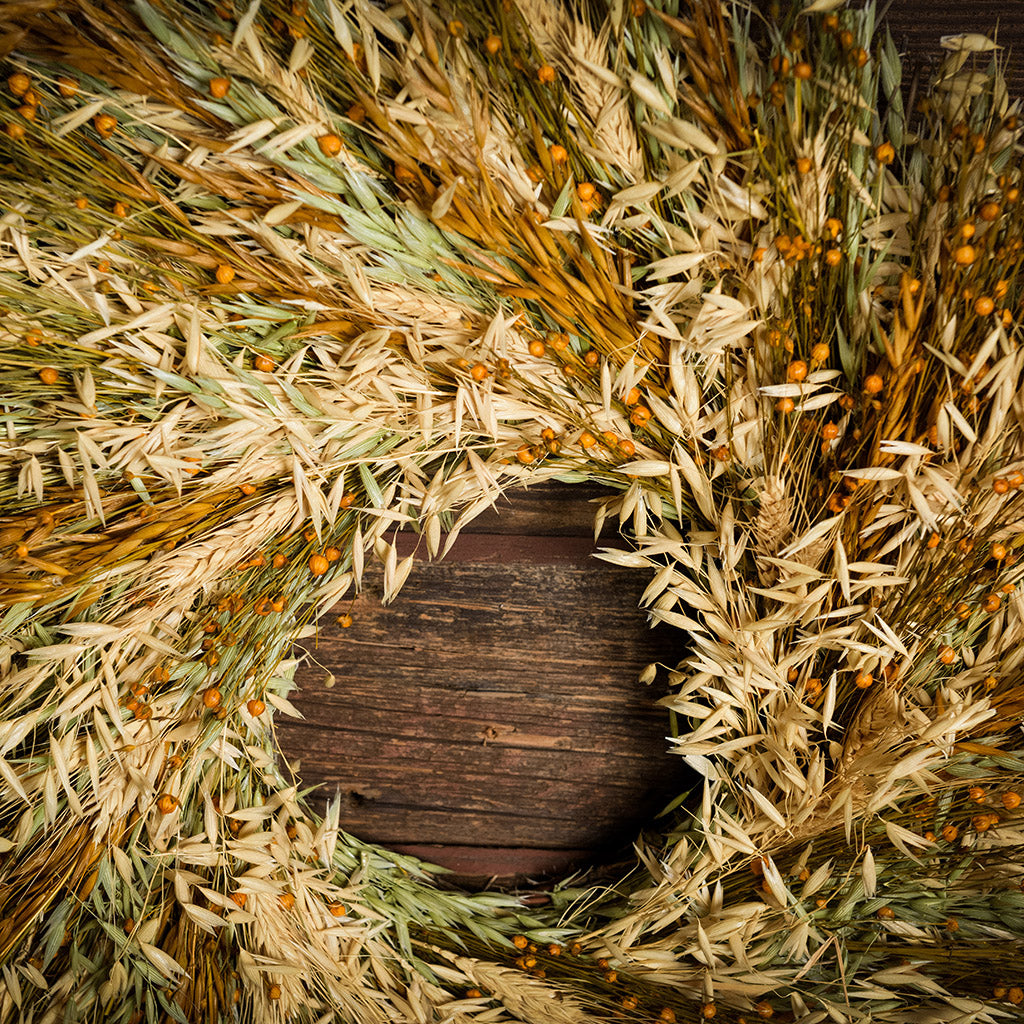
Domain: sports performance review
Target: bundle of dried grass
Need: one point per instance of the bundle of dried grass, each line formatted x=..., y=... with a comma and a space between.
x=278, y=281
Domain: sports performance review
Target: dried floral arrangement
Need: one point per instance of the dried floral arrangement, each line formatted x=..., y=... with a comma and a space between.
x=280, y=279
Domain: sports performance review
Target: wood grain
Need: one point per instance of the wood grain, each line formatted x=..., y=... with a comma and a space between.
x=495, y=704
x=917, y=27
x=548, y=509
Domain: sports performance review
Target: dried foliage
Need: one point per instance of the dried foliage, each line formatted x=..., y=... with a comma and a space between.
x=281, y=279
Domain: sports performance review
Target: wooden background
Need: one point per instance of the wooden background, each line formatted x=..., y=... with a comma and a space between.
x=491, y=720
x=918, y=25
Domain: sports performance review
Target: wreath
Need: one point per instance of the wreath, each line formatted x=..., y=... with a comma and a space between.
x=282, y=279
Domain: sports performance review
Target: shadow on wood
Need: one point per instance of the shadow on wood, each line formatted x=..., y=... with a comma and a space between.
x=491, y=720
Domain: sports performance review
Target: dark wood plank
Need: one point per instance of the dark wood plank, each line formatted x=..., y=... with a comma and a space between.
x=492, y=705
x=504, y=548
x=548, y=509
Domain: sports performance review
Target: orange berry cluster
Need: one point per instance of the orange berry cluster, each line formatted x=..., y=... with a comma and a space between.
x=535, y=959
x=981, y=820
x=20, y=86
x=1013, y=994
x=796, y=248
x=793, y=249
x=572, y=366
x=1011, y=482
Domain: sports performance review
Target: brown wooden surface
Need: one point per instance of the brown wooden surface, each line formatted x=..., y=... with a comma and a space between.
x=491, y=720
x=544, y=510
